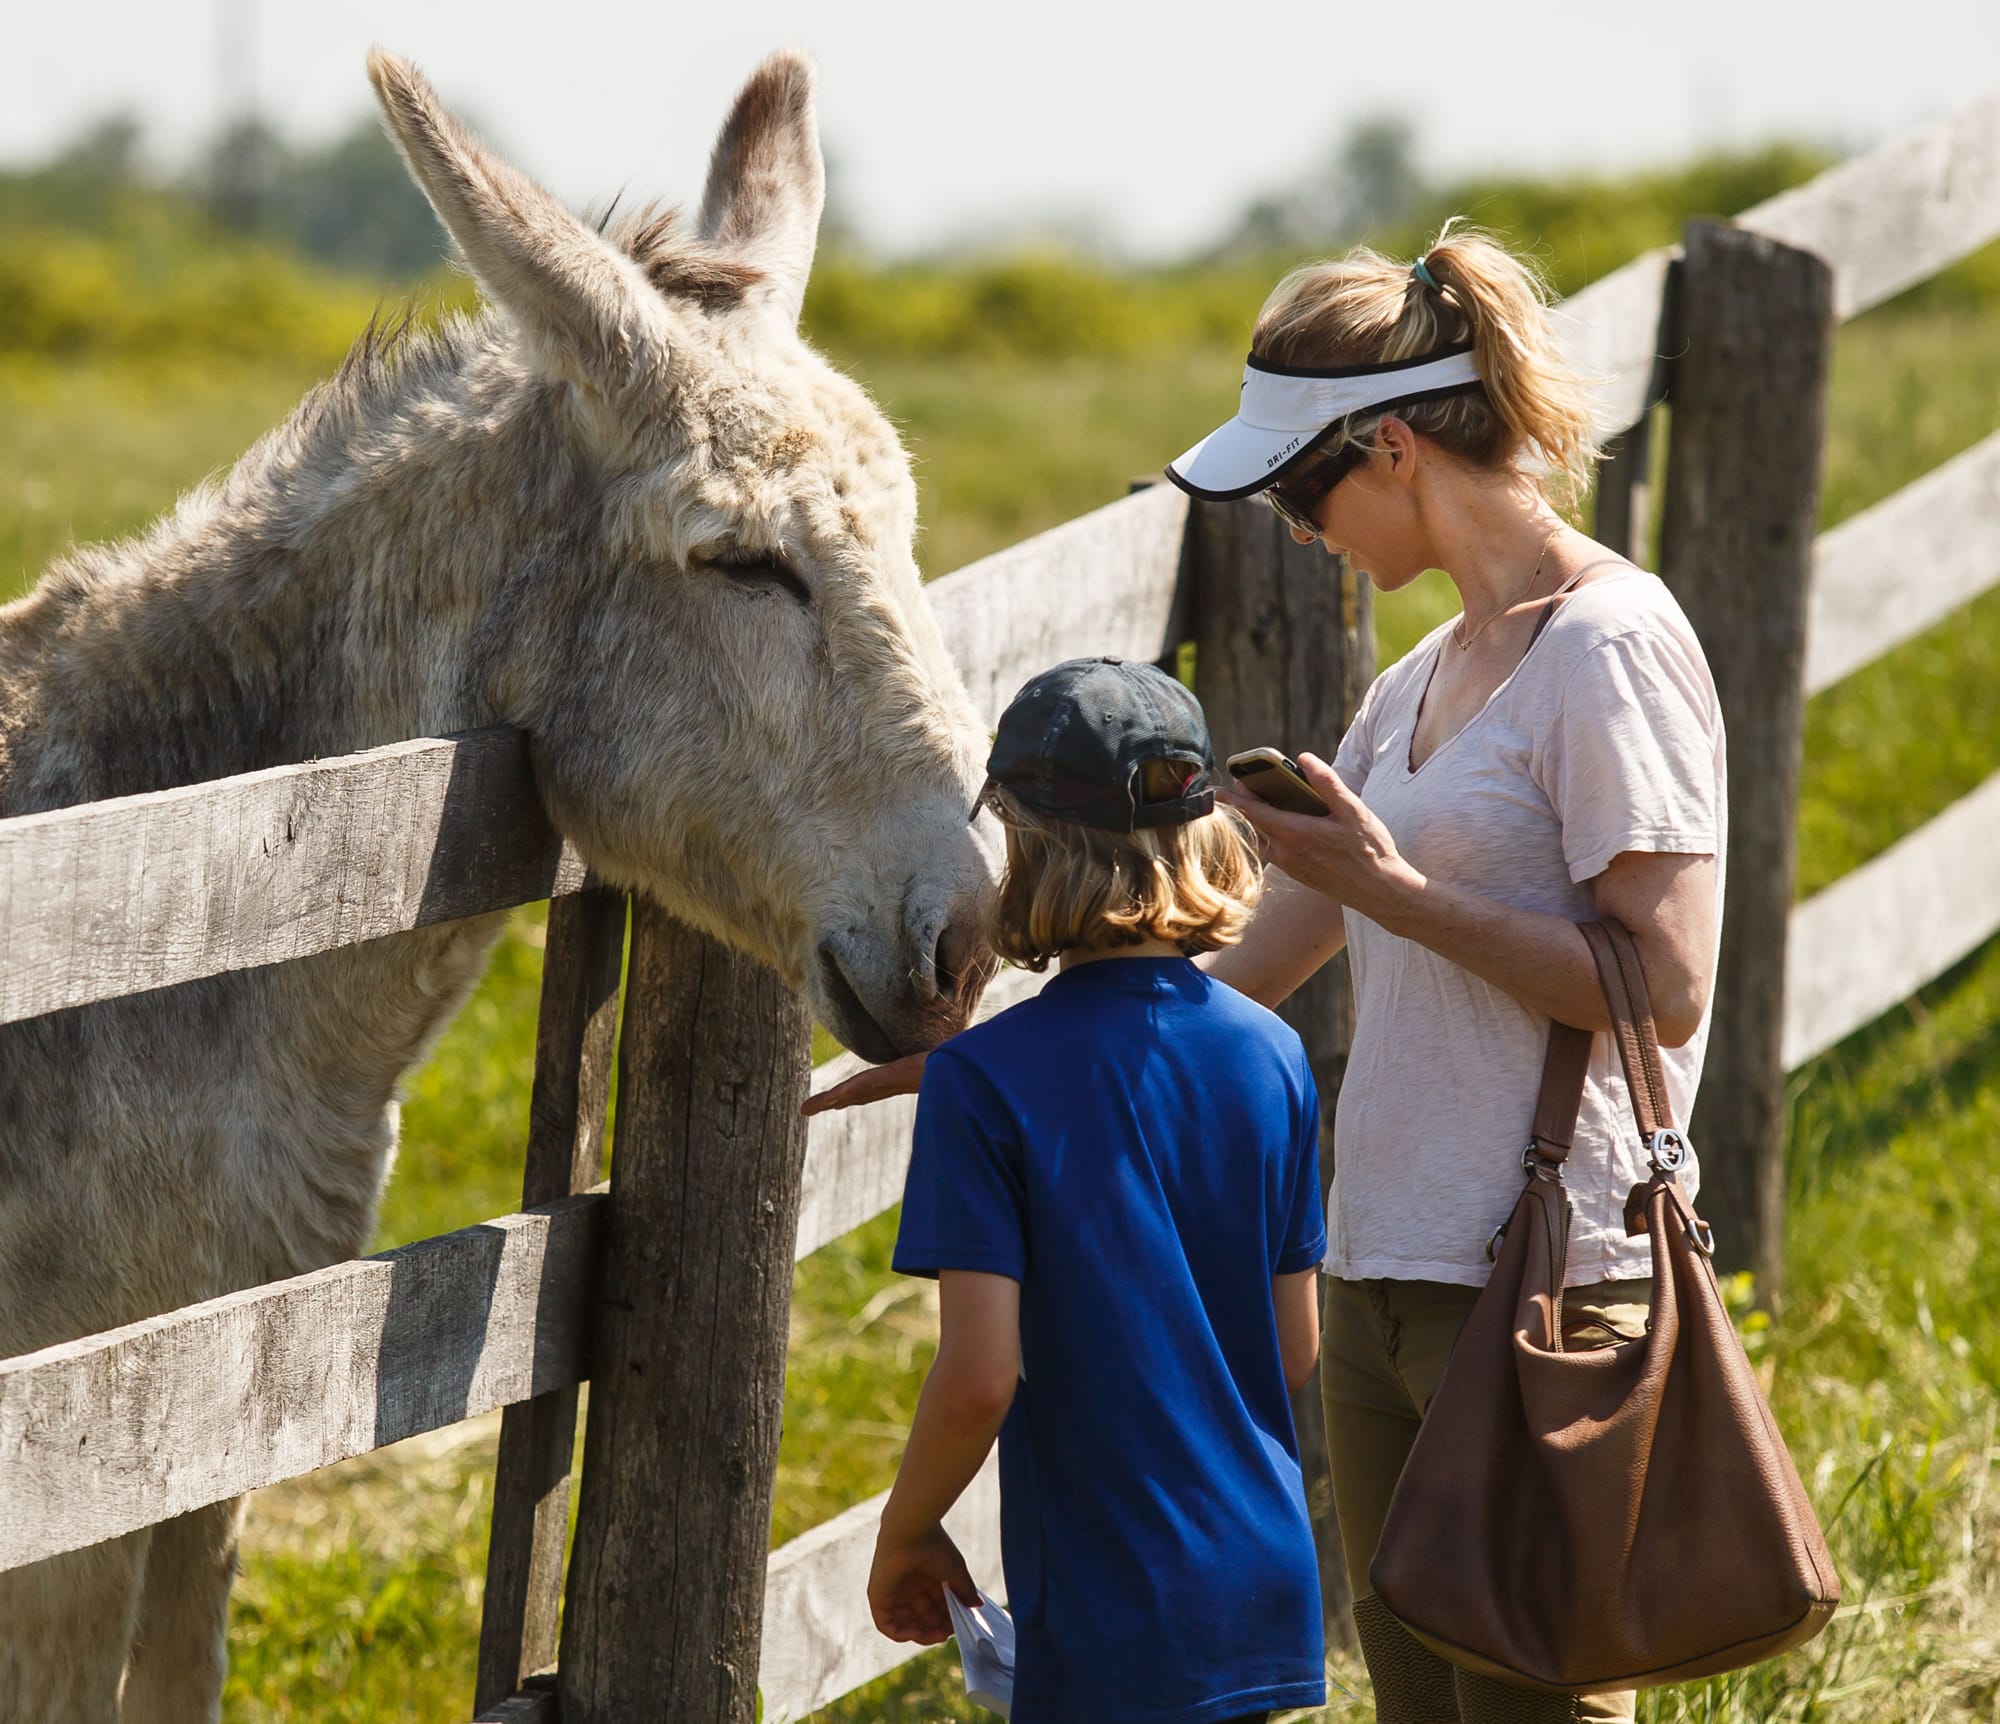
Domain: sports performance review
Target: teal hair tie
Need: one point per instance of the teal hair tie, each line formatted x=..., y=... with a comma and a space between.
x=1421, y=269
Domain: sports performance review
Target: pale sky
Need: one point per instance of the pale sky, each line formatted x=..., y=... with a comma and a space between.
x=947, y=121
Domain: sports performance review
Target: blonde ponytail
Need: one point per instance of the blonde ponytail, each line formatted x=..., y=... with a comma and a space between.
x=1531, y=410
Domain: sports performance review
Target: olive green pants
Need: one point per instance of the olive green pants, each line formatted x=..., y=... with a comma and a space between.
x=1381, y=1360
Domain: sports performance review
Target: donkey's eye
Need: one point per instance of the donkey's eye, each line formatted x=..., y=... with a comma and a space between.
x=766, y=573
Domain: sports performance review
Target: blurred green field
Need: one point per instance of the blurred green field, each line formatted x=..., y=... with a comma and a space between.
x=360, y=1593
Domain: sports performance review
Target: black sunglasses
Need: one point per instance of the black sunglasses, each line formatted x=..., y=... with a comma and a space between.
x=1297, y=496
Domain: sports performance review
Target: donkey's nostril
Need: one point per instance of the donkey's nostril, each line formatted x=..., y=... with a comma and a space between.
x=959, y=954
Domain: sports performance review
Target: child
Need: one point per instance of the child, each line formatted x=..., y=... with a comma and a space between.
x=1116, y=1184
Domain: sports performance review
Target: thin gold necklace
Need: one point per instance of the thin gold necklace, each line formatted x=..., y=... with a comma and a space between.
x=1534, y=575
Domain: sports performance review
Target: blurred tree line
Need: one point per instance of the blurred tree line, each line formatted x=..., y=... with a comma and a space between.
x=271, y=248
x=348, y=203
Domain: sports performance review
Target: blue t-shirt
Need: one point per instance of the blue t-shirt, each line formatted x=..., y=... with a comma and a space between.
x=1138, y=1146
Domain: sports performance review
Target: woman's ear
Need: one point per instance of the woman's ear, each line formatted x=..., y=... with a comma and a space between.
x=1398, y=444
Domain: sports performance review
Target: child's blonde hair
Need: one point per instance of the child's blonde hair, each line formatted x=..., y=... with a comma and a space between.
x=1369, y=309
x=1069, y=887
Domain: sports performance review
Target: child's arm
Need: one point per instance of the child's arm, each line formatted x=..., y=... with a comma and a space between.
x=1296, y=1300
x=959, y=1414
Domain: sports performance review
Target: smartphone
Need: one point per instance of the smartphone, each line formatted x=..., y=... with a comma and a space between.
x=1275, y=778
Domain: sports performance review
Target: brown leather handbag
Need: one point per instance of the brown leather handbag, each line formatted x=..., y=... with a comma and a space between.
x=1616, y=1517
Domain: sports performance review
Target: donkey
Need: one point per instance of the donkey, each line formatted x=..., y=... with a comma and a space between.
x=625, y=508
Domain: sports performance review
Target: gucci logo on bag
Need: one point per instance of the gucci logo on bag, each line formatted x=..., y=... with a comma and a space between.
x=1668, y=1150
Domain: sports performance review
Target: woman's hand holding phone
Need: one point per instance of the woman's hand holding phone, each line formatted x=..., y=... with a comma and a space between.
x=1346, y=853
x=1275, y=778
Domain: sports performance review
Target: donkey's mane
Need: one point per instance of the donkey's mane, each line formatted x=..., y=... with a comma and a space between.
x=398, y=350
x=678, y=266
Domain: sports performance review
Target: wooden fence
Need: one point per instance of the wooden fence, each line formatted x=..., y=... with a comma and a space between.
x=673, y=1601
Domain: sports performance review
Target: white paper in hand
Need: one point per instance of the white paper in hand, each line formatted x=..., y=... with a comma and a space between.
x=986, y=1649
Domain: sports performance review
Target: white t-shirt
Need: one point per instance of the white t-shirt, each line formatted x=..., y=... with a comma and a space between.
x=1607, y=738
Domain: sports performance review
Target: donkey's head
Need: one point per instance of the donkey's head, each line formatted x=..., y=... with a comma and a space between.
x=739, y=700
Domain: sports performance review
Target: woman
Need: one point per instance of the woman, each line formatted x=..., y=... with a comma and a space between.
x=1552, y=754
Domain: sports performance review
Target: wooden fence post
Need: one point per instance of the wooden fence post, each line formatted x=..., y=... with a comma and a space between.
x=1755, y=322
x=1624, y=495
x=574, y=1040
x=666, y=1584
x=1284, y=650
x=1623, y=504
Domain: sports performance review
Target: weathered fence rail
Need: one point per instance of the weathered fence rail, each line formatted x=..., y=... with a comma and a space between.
x=812, y=1654
x=1111, y=579
x=1877, y=935
x=104, y=1435
x=114, y=1431
x=120, y=897
x=1941, y=537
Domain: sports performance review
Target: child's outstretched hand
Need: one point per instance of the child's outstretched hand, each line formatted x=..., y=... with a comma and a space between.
x=903, y=1586
x=873, y=1083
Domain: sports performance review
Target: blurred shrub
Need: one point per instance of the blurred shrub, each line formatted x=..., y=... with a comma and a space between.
x=1039, y=305
x=69, y=295
x=58, y=291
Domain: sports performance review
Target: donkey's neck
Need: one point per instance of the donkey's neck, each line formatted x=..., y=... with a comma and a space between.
x=339, y=589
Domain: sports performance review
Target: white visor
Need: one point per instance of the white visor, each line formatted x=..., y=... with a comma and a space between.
x=1284, y=410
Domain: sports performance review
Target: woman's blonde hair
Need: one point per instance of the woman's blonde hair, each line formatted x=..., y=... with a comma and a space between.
x=1533, y=409
x=1070, y=887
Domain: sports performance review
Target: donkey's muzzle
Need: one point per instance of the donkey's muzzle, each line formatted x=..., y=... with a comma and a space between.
x=851, y=1022
x=887, y=1000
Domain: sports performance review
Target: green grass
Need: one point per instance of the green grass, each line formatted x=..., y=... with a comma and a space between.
x=1003, y=450
x=361, y=1587
x=359, y=1596
x=465, y=1113
x=1886, y=1367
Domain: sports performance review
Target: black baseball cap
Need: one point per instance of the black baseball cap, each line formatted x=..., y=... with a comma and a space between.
x=1071, y=743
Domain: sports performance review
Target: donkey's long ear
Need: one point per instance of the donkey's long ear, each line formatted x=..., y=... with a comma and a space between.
x=584, y=305
x=766, y=181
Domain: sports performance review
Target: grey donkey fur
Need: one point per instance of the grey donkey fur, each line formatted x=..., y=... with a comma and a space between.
x=626, y=509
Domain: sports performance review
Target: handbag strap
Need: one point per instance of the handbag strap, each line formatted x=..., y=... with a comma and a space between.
x=1563, y=1072
x=1618, y=967
x=1568, y=1060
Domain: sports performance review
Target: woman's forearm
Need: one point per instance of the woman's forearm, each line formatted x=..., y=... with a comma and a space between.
x=1293, y=931
x=1542, y=960
x=1666, y=900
